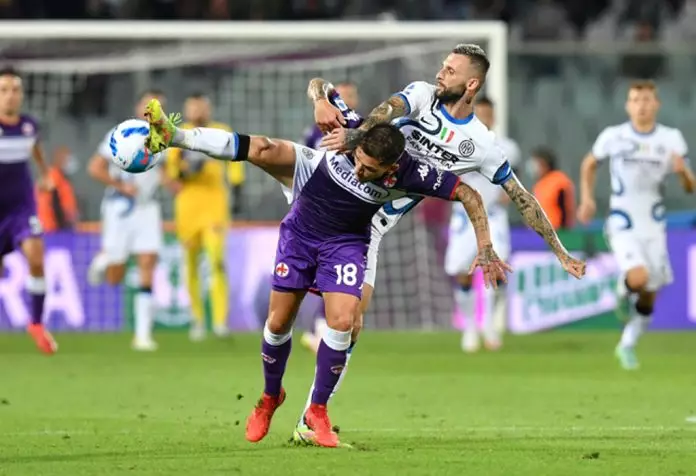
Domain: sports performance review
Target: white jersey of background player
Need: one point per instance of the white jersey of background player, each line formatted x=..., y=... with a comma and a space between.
x=640, y=154
x=461, y=248
x=131, y=226
x=440, y=127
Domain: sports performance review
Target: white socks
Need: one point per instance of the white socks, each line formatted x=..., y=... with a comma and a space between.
x=143, y=315
x=633, y=330
x=212, y=142
x=466, y=302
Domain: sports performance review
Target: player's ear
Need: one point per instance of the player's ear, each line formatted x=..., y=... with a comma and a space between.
x=473, y=84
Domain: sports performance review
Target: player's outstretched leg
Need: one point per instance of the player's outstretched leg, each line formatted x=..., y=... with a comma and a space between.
x=275, y=351
x=33, y=250
x=162, y=127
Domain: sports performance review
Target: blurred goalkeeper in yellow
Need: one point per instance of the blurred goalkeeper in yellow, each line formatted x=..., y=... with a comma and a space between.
x=202, y=215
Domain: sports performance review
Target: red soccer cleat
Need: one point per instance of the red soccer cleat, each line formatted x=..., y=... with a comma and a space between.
x=317, y=419
x=44, y=340
x=260, y=419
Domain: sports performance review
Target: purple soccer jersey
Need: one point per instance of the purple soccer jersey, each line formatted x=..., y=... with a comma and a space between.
x=325, y=235
x=313, y=135
x=18, y=219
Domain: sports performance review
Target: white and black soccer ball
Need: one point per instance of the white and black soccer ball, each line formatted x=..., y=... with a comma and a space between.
x=127, y=144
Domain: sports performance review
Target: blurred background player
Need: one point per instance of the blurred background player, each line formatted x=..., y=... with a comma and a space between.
x=348, y=92
x=554, y=190
x=202, y=215
x=57, y=208
x=20, y=228
x=131, y=226
x=641, y=152
x=461, y=250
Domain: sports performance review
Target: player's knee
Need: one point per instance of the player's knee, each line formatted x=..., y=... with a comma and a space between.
x=278, y=325
x=637, y=279
x=341, y=321
x=115, y=274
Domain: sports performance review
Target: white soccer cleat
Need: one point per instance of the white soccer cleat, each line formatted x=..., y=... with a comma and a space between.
x=197, y=332
x=221, y=330
x=144, y=345
x=470, y=342
x=97, y=269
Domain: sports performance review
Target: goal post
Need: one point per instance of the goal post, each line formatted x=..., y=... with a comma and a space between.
x=256, y=75
x=493, y=33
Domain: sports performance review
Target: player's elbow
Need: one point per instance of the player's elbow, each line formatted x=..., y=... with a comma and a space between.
x=588, y=165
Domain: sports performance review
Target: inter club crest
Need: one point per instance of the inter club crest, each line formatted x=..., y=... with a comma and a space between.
x=282, y=270
x=466, y=148
x=390, y=181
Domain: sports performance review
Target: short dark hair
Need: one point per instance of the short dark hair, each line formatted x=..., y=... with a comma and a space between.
x=476, y=55
x=485, y=101
x=151, y=92
x=383, y=142
x=9, y=71
x=547, y=155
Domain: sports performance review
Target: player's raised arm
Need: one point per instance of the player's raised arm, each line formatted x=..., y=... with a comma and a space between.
x=348, y=139
x=327, y=116
x=536, y=219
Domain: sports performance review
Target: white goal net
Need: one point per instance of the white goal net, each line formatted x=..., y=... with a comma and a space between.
x=83, y=78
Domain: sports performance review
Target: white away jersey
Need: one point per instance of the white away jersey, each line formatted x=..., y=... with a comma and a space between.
x=638, y=165
x=146, y=182
x=456, y=145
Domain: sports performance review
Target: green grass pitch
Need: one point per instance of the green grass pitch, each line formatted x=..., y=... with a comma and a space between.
x=412, y=404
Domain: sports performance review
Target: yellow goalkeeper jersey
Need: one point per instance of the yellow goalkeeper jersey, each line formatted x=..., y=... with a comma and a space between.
x=203, y=201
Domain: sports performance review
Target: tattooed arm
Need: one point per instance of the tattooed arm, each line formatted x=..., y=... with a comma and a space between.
x=493, y=267
x=536, y=219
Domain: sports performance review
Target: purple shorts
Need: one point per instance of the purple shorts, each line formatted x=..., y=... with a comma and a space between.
x=17, y=227
x=334, y=266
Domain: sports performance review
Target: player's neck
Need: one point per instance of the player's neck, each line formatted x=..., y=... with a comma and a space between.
x=643, y=127
x=9, y=119
x=459, y=109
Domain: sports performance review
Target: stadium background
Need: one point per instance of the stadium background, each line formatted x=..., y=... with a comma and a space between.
x=568, y=66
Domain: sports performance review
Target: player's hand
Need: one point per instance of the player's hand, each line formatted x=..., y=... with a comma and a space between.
x=586, y=211
x=573, y=266
x=46, y=184
x=494, y=269
x=327, y=116
x=127, y=189
x=335, y=140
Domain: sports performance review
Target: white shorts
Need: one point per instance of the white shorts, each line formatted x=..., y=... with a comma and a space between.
x=130, y=230
x=633, y=250
x=462, y=247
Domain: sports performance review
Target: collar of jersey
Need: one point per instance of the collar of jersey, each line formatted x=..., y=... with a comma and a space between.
x=642, y=134
x=454, y=120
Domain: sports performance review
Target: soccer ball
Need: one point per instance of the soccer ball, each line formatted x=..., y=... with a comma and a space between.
x=127, y=144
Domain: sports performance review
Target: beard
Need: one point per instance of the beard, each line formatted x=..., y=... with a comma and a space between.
x=450, y=96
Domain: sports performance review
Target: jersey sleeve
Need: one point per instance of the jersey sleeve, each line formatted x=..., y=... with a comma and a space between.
x=495, y=166
x=600, y=149
x=679, y=146
x=418, y=97
x=306, y=162
x=353, y=119
x=423, y=179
